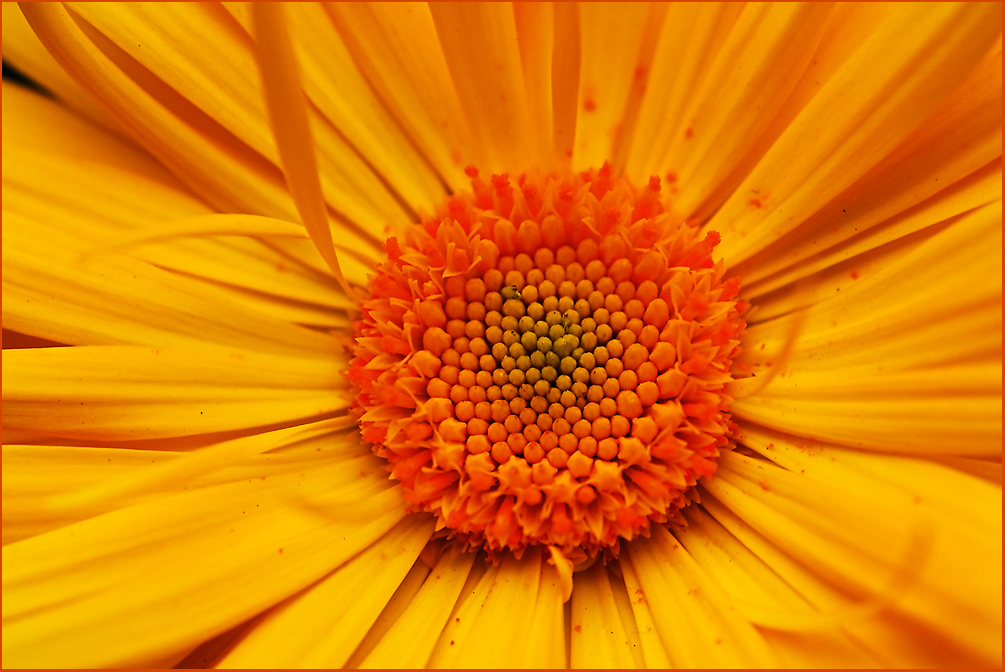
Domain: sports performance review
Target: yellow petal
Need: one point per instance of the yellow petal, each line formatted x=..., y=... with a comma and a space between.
x=396, y=48
x=48, y=487
x=22, y=49
x=191, y=48
x=654, y=652
x=916, y=537
x=692, y=36
x=535, y=27
x=99, y=186
x=287, y=107
x=513, y=618
x=548, y=624
x=847, y=27
x=898, y=77
x=749, y=581
x=695, y=619
x=334, y=83
x=131, y=393
x=395, y=607
x=479, y=43
x=929, y=318
x=410, y=639
x=946, y=160
x=92, y=188
x=613, y=62
x=142, y=583
x=220, y=167
x=321, y=627
x=565, y=71
x=599, y=638
x=206, y=156
x=50, y=292
x=32, y=474
x=198, y=52
x=740, y=93
x=973, y=191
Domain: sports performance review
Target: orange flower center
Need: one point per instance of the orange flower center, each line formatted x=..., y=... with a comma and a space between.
x=544, y=363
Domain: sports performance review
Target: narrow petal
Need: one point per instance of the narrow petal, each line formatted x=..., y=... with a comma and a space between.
x=740, y=94
x=613, y=62
x=909, y=539
x=334, y=83
x=395, y=607
x=320, y=627
x=848, y=26
x=397, y=50
x=121, y=393
x=220, y=167
x=22, y=49
x=959, y=142
x=978, y=189
x=898, y=77
x=103, y=186
x=410, y=640
x=48, y=487
x=695, y=619
x=692, y=36
x=206, y=156
x=137, y=585
x=749, y=581
x=565, y=70
x=930, y=319
x=654, y=652
x=52, y=292
x=510, y=620
x=479, y=42
x=599, y=638
x=206, y=58
x=535, y=27
x=287, y=107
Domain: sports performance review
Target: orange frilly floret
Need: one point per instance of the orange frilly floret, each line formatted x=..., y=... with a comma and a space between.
x=486, y=468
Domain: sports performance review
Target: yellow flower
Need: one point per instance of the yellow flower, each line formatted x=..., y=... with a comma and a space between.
x=186, y=483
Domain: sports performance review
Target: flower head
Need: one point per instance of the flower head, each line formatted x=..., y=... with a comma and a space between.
x=558, y=381
x=511, y=335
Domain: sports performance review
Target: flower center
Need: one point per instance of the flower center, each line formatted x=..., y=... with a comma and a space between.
x=544, y=363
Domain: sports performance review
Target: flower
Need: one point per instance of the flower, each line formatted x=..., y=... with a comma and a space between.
x=185, y=484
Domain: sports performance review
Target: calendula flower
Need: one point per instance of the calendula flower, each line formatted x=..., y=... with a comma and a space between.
x=599, y=335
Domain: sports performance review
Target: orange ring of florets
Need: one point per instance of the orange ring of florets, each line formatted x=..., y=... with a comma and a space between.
x=545, y=362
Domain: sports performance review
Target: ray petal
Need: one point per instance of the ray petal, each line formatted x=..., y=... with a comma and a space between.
x=131, y=393
x=883, y=92
x=479, y=43
x=599, y=638
x=410, y=640
x=321, y=627
x=142, y=583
